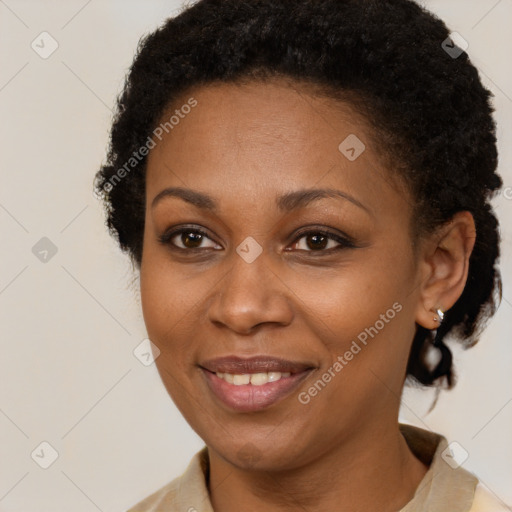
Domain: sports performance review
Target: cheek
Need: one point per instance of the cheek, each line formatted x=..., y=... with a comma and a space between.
x=350, y=298
x=168, y=301
x=168, y=311
x=363, y=315
x=169, y=294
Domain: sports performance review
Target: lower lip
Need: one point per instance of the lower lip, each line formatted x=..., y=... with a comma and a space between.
x=250, y=398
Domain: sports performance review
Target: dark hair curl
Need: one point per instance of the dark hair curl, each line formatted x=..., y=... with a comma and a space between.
x=428, y=108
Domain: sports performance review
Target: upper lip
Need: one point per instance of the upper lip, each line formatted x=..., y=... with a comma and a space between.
x=256, y=364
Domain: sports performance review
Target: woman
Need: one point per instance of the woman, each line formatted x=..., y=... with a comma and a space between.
x=304, y=188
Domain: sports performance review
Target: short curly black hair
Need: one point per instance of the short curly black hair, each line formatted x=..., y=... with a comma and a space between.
x=394, y=59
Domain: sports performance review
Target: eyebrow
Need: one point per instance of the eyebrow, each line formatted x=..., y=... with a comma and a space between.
x=286, y=203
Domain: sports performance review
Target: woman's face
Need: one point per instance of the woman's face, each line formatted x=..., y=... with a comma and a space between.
x=322, y=324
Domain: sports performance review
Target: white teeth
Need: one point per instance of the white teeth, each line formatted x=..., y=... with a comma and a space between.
x=240, y=380
x=256, y=379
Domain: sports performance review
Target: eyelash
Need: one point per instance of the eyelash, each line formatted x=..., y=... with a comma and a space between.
x=344, y=241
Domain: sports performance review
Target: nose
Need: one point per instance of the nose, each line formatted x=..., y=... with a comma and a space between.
x=250, y=295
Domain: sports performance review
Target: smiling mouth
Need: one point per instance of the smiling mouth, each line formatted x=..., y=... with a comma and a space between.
x=253, y=384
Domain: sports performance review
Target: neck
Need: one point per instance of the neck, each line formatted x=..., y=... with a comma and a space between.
x=374, y=471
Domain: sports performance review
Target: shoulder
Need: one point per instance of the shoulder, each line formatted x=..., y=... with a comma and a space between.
x=159, y=500
x=484, y=501
x=185, y=493
x=446, y=485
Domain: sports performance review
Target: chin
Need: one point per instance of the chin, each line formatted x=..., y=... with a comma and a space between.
x=267, y=455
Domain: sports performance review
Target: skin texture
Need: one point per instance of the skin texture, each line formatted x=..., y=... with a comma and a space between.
x=245, y=145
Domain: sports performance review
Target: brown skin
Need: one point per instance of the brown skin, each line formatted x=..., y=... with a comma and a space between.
x=244, y=146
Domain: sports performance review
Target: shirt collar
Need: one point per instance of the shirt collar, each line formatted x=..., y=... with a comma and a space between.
x=446, y=485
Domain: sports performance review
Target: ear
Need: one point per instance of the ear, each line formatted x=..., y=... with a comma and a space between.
x=443, y=266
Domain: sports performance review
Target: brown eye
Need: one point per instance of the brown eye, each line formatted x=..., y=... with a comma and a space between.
x=191, y=240
x=320, y=241
x=187, y=238
x=315, y=242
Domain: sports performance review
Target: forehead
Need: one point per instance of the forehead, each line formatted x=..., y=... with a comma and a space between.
x=256, y=140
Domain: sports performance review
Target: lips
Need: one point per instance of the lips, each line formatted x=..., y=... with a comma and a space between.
x=253, y=384
x=257, y=364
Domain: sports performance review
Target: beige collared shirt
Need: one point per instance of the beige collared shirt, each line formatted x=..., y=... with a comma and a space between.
x=445, y=487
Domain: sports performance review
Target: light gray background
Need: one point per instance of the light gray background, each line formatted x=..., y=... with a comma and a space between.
x=69, y=325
